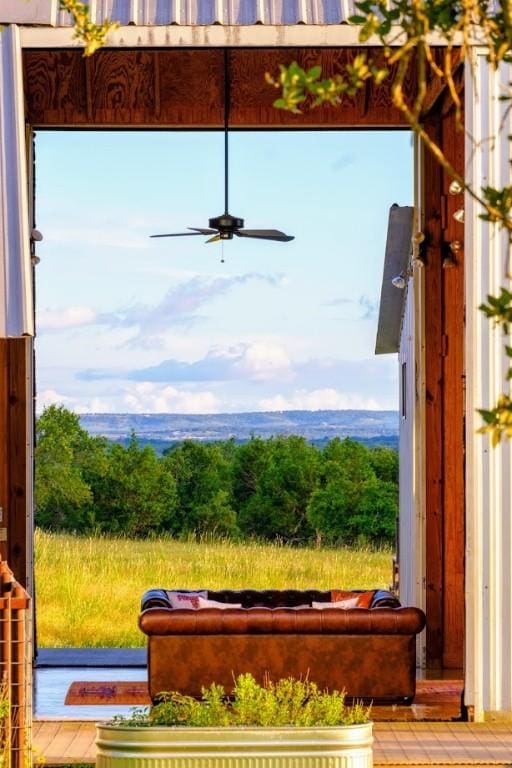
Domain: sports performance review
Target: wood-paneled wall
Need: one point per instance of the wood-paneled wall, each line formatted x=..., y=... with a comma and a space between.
x=185, y=89
x=15, y=413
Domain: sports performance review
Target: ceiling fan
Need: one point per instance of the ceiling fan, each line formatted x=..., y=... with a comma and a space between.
x=226, y=226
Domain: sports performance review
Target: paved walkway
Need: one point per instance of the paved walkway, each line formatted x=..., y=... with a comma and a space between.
x=454, y=744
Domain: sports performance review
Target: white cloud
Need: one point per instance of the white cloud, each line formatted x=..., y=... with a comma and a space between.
x=362, y=308
x=69, y=317
x=319, y=400
x=151, y=323
x=143, y=397
x=151, y=398
x=51, y=397
x=78, y=404
x=255, y=361
x=179, y=305
x=264, y=360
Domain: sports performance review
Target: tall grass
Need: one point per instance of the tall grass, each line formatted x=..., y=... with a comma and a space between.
x=89, y=589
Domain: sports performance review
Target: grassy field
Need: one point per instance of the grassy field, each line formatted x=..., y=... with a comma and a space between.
x=89, y=589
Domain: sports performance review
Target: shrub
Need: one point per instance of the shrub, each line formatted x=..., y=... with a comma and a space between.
x=288, y=702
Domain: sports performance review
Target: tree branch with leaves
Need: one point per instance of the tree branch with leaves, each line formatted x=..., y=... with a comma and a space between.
x=93, y=36
x=405, y=29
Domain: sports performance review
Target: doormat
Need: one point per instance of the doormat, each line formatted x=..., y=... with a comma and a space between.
x=135, y=693
x=132, y=693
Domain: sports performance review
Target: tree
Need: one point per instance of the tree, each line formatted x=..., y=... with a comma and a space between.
x=285, y=477
x=376, y=512
x=333, y=508
x=136, y=495
x=65, y=457
x=385, y=464
x=249, y=461
x=203, y=485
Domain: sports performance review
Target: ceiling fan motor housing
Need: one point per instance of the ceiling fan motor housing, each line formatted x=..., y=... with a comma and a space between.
x=226, y=224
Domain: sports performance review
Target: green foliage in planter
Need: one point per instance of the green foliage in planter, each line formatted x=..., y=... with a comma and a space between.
x=288, y=702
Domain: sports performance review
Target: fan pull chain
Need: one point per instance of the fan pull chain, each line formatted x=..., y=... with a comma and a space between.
x=222, y=259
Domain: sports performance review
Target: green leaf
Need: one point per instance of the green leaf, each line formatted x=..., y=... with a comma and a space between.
x=488, y=416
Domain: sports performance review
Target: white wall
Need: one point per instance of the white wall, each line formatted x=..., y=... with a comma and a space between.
x=411, y=529
x=488, y=686
x=16, y=315
x=411, y=523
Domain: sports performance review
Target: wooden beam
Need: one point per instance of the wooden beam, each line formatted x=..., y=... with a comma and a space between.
x=170, y=88
x=437, y=87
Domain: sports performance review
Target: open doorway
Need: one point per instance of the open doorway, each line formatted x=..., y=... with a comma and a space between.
x=177, y=338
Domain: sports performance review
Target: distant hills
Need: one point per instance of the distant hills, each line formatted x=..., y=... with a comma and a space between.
x=163, y=430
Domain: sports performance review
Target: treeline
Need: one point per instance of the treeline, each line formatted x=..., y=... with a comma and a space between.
x=280, y=488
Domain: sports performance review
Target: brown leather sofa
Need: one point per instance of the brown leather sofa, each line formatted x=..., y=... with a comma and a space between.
x=368, y=652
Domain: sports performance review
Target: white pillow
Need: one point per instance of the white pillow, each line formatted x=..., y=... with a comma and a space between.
x=351, y=602
x=203, y=603
x=186, y=599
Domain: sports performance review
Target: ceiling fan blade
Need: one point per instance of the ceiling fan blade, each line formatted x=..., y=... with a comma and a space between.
x=213, y=239
x=203, y=231
x=265, y=234
x=182, y=234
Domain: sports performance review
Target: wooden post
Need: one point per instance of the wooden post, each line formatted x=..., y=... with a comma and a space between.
x=433, y=409
x=444, y=374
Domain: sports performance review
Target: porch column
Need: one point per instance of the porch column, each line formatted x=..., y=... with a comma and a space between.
x=16, y=313
x=488, y=684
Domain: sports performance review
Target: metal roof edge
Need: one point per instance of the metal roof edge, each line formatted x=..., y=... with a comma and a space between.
x=396, y=265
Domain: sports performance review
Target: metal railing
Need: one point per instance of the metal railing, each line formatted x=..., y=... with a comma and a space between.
x=15, y=672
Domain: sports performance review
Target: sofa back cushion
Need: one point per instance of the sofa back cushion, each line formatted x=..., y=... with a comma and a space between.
x=362, y=599
x=186, y=599
x=215, y=604
x=267, y=598
x=349, y=602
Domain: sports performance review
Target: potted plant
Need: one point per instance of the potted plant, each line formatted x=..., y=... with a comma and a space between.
x=287, y=724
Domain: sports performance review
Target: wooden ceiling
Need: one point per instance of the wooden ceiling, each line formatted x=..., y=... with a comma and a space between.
x=183, y=88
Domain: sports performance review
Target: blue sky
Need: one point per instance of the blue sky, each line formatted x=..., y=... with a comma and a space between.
x=126, y=323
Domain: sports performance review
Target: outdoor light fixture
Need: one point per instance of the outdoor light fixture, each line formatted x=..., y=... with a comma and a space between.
x=399, y=281
x=459, y=215
x=449, y=256
x=455, y=188
x=419, y=257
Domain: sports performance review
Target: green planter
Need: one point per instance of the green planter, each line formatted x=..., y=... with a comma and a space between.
x=346, y=746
